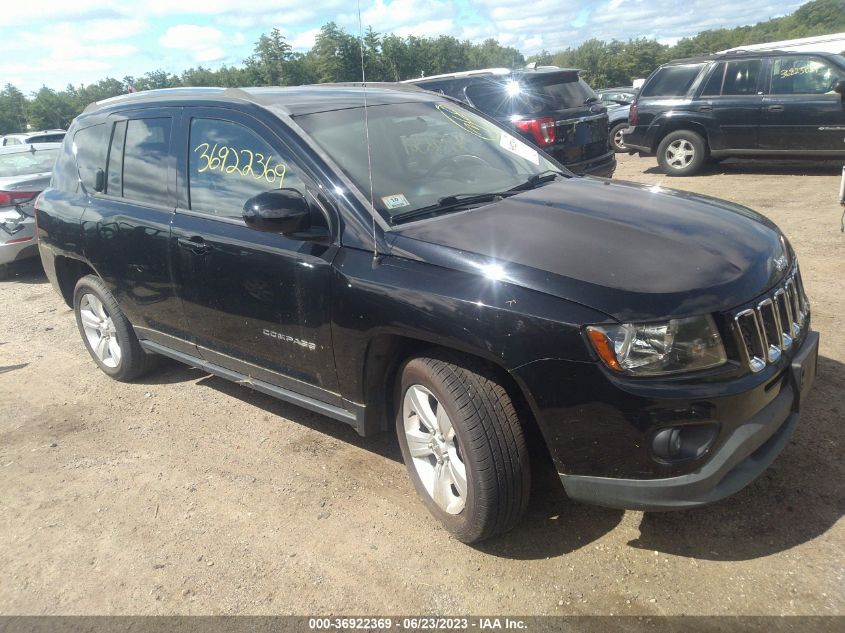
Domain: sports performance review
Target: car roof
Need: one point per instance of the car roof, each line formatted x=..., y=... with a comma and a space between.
x=741, y=54
x=19, y=149
x=493, y=72
x=291, y=100
x=33, y=133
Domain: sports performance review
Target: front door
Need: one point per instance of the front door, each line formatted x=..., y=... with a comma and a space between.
x=256, y=302
x=801, y=111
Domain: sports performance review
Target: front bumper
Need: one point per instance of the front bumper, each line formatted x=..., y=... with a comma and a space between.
x=745, y=454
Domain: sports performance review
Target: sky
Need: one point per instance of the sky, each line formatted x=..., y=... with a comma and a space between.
x=56, y=42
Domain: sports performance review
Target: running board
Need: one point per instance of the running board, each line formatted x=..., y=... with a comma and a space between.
x=264, y=387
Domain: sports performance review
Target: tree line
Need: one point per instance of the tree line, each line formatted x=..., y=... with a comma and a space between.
x=336, y=57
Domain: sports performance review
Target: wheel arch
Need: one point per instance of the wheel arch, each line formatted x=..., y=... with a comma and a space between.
x=388, y=353
x=68, y=272
x=669, y=125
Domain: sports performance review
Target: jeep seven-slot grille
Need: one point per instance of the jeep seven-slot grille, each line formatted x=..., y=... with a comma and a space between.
x=769, y=328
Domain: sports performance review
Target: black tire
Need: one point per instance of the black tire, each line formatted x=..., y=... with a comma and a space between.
x=488, y=438
x=133, y=361
x=615, y=133
x=674, y=164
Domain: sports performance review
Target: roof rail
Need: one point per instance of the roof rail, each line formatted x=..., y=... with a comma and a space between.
x=186, y=90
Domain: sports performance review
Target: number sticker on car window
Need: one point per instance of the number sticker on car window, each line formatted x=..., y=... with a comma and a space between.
x=240, y=162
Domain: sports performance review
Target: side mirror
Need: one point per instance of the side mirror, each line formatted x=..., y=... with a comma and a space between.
x=99, y=181
x=839, y=87
x=282, y=211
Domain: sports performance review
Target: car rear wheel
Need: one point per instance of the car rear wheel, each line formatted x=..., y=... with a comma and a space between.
x=616, y=140
x=681, y=153
x=106, y=331
x=464, y=447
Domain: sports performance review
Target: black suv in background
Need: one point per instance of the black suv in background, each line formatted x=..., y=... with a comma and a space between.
x=552, y=107
x=765, y=103
x=465, y=291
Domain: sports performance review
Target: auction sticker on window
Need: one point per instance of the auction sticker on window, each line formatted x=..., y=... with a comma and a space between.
x=515, y=146
x=395, y=201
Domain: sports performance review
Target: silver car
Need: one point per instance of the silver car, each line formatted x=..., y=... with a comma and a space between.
x=25, y=171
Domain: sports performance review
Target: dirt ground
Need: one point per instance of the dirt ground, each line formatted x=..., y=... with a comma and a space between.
x=183, y=493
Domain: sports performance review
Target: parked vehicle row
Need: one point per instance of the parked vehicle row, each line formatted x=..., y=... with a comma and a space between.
x=417, y=265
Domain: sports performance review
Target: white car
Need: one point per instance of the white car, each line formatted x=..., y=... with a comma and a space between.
x=43, y=136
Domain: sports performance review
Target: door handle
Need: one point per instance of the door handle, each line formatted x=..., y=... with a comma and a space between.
x=705, y=108
x=195, y=244
x=775, y=108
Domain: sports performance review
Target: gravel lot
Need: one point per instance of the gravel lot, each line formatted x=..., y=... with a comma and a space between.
x=184, y=493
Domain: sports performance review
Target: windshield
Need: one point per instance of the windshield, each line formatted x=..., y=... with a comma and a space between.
x=27, y=162
x=423, y=152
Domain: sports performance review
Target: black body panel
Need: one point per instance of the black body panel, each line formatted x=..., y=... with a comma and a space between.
x=325, y=322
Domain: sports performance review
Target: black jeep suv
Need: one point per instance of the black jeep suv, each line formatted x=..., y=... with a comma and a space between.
x=548, y=106
x=449, y=281
x=766, y=103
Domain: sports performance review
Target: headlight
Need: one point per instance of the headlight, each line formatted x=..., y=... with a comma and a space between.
x=653, y=349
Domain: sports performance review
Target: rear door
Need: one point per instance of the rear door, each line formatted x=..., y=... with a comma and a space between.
x=732, y=96
x=801, y=112
x=127, y=225
x=257, y=303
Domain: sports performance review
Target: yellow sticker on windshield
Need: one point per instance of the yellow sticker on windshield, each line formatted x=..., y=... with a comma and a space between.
x=479, y=128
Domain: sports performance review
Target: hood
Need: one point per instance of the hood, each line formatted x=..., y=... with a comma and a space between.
x=631, y=251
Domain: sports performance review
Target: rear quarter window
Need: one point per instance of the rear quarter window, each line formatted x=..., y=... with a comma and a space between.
x=91, y=144
x=672, y=81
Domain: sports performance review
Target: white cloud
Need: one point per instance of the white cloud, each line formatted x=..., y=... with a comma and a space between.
x=190, y=37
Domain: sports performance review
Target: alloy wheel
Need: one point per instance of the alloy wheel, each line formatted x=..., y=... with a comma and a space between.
x=99, y=330
x=680, y=153
x=435, y=449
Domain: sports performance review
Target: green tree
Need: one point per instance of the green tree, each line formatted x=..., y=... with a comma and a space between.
x=51, y=109
x=12, y=110
x=270, y=59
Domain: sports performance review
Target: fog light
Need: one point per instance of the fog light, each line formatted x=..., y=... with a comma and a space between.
x=667, y=443
x=683, y=443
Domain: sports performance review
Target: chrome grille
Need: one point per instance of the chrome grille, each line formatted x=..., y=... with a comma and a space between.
x=769, y=329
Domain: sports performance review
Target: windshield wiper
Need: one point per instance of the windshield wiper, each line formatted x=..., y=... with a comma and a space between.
x=451, y=203
x=538, y=179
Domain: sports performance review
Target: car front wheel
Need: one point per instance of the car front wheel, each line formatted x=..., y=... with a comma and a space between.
x=463, y=445
x=681, y=153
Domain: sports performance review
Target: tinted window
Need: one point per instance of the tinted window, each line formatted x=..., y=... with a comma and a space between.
x=672, y=81
x=90, y=145
x=713, y=85
x=229, y=164
x=25, y=163
x=530, y=95
x=741, y=77
x=802, y=75
x=114, y=184
x=145, y=160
